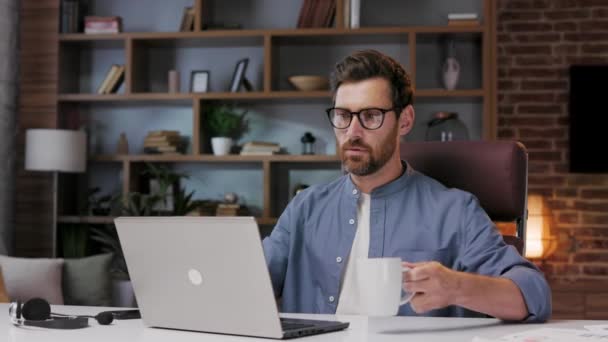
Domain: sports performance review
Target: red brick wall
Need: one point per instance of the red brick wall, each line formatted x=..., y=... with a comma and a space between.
x=537, y=41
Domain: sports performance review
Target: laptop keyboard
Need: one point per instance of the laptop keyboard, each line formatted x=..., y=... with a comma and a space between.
x=293, y=325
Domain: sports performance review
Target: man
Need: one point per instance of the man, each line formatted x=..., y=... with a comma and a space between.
x=460, y=265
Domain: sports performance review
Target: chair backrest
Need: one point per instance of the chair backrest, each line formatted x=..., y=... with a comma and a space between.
x=496, y=172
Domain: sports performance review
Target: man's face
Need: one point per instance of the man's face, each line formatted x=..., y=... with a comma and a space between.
x=364, y=151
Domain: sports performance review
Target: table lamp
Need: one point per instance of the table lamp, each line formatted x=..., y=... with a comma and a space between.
x=55, y=150
x=540, y=243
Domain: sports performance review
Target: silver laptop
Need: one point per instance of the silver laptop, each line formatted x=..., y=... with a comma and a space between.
x=206, y=274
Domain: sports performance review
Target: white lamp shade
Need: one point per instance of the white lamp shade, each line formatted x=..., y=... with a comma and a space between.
x=55, y=150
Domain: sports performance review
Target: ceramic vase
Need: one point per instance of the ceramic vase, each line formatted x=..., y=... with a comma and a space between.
x=451, y=73
x=221, y=145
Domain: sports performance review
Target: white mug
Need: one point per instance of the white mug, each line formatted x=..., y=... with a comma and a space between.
x=381, y=285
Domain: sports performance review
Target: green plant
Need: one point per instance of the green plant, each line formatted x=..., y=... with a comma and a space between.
x=167, y=184
x=97, y=205
x=226, y=121
x=74, y=240
x=107, y=237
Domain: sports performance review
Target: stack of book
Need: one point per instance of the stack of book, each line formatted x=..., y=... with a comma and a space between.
x=70, y=16
x=229, y=209
x=163, y=142
x=317, y=13
x=100, y=25
x=260, y=148
x=187, y=24
x=113, y=80
x=463, y=19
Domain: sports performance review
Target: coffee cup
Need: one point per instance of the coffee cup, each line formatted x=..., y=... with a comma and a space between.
x=381, y=285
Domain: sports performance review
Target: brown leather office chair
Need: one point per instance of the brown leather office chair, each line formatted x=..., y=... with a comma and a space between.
x=496, y=172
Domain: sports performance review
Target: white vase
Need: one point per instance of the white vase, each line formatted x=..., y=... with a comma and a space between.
x=451, y=73
x=221, y=145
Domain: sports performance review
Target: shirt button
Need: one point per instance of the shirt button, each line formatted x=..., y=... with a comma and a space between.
x=331, y=299
x=338, y=259
x=354, y=191
x=351, y=221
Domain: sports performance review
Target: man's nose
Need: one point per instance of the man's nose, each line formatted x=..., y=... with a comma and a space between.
x=355, y=129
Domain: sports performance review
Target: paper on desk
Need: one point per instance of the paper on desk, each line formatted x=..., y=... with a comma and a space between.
x=550, y=335
x=598, y=327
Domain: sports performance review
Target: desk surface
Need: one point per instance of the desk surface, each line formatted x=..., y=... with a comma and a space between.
x=402, y=329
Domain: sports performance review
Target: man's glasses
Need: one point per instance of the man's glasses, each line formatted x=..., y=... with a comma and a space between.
x=369, y=118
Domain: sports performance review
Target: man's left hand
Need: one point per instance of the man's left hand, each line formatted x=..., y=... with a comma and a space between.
x=435, y=285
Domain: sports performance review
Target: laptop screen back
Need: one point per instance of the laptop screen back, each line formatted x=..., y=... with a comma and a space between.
x=200, y=273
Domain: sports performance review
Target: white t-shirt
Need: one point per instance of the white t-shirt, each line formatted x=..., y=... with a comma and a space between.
x=350, y=298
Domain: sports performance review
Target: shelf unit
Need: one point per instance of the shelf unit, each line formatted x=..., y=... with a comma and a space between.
x=134, y=45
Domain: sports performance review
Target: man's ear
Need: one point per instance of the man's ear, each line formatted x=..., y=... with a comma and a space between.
x=406, y=120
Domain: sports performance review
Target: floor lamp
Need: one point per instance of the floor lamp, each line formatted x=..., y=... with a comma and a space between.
x=55, y=150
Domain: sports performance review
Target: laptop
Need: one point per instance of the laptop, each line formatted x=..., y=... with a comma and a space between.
x=206, y=274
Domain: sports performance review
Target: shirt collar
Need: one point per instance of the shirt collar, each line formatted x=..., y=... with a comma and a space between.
x=387, y=189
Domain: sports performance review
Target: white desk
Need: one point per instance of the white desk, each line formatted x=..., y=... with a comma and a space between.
x=402, y=329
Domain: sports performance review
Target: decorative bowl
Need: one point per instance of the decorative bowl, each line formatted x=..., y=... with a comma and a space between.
x=309, y=82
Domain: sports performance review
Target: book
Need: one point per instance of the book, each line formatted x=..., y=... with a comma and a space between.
x=260, y=143
x=258, y=153
x=355, y=11
x=346, y=13
x=116, y=80
x=261, y=149
x=69, y=16
x=95, y=25
x=462, y=16
x=106, y=80
x=187, y=23
x=467, y=22
x=163, y=132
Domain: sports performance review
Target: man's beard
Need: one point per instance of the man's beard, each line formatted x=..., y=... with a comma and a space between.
x=371, y=162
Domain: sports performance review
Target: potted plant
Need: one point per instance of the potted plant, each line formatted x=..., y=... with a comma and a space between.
x=226, y=124
x=164, y=183
x=136, y=204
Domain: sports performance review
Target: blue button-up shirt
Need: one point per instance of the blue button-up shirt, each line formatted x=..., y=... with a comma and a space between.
x=413, y=217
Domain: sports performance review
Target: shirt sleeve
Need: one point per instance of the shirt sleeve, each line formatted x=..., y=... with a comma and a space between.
x=276, y=250
x=486, y=253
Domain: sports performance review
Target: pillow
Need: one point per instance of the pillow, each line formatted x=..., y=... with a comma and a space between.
x=86, y=281
x=27, y=278
x=3, y=294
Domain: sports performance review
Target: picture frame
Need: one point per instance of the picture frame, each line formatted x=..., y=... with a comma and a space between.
x=199, y=81
x=238, y=77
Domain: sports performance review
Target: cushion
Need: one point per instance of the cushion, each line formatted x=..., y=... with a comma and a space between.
x=3, y=295
x=27, y=278
x=86, y=281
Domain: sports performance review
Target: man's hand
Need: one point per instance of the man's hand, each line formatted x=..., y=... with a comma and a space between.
x=435, y=286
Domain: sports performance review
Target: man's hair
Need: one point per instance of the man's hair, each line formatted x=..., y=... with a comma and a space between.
x=366, y=64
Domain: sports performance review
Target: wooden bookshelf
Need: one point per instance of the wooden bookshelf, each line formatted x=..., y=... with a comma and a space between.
x=133, y=46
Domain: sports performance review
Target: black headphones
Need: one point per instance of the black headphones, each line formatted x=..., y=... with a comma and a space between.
x=36, y=312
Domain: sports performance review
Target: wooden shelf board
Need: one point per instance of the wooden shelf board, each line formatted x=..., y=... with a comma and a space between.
x=235, y=158
x=190, y=96
x=86, y=219
x=110, y=220
x=81, y=37
x=245, y=95
x=124, y=97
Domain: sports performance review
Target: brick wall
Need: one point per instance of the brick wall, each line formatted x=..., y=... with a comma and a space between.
x=8, y=107
x=537, y=40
